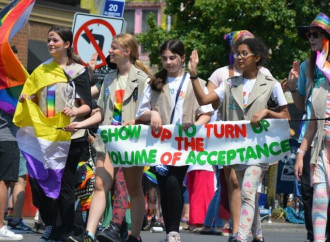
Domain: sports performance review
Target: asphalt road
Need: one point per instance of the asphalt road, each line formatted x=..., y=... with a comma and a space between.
x=274, y=232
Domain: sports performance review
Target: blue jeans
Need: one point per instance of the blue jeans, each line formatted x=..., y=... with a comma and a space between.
x=212, y=215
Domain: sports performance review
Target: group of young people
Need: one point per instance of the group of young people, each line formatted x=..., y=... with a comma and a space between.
x=131, y=95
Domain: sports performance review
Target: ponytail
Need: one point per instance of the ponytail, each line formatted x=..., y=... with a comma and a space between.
x=72, y=57
x=139, y=64
x=157, y=82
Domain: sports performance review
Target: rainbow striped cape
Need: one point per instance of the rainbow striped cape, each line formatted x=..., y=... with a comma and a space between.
x=44, y=147
x=12, y=73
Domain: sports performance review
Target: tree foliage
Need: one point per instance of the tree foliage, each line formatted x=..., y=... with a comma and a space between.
x=201, y=25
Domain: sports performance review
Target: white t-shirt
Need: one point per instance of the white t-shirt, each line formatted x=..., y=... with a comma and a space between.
x=222, y=74
x=174, y=84
x=277, y=92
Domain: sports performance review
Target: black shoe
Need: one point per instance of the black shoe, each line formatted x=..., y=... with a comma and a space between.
x=133, y=239
x=258, y=240
x=81, y=238
x=110, y=233
x=233, y=238
x=47, y=234
x=123, y=231
x=19, y=227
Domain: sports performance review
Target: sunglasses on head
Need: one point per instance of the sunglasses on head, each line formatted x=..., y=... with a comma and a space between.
x=315, y=34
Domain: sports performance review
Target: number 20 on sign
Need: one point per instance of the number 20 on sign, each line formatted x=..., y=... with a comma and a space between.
x=114, y=8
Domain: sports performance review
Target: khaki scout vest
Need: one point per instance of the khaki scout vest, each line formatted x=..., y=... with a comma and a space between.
x=233, y=109
x=161, y=102
x=61, y=97
x=136, y=83
x=319, y=99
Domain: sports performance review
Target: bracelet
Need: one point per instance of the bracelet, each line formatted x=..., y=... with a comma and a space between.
x=293, y=91
x=193, y=77
x=300, y=151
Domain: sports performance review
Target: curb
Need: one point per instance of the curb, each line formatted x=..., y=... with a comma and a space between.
x=281, y=225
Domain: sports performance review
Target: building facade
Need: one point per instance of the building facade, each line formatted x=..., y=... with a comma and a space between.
x=31, y=41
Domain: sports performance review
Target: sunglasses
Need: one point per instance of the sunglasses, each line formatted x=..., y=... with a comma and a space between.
x=315, y=34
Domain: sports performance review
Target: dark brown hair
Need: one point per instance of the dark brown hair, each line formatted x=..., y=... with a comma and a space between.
x=158, y=81
x=256, y=46
x=66, y=35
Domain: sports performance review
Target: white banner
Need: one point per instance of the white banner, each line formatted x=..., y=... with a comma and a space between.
x=218, y=143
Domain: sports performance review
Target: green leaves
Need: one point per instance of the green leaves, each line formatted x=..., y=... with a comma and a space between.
x=201, y=25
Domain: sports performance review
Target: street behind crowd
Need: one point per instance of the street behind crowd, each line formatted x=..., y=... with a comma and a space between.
x=273, y=232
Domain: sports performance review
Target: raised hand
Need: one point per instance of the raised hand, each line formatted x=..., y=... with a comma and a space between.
x=293, y=76
x=92, y=62
x=193, y=63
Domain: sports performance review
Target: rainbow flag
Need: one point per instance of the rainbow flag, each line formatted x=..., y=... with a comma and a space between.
x=44, y=147
x=12, y=73
x=321, y=59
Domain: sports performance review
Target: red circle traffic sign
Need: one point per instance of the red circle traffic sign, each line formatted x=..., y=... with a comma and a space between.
x=90, y=36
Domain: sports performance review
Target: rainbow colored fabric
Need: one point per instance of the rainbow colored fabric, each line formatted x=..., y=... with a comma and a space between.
x=321, y=59
x=119, y=95
x=12, y=73
x=322, y=21
x=44, y=146
x=51, y=101
x=148, y=174
x=232, y=37
x=151, y=176
x=88, y=177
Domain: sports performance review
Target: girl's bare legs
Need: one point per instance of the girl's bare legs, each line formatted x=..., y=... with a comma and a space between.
x=133, y=177
x=103, y=183
x=234, y=195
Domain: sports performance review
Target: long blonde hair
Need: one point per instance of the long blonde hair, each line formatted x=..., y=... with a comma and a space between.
x=129, y=41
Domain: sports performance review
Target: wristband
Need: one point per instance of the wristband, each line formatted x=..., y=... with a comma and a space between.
x=300, y=151
x=293, y=91
x=193, y=77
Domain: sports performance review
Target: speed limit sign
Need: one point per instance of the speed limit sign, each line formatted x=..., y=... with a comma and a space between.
x=114, y=8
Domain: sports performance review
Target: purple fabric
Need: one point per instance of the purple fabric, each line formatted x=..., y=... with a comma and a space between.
x=48, y=179
x=7, y=102
x=7, y=108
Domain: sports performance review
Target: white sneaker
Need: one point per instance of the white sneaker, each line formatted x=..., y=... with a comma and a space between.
x=8, y=235
x=173, y=237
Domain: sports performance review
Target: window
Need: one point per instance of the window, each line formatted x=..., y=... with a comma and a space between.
x=144, y=19
x=129, y=16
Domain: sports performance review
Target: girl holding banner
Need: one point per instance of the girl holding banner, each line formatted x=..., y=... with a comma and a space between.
x=318, y=34
x=169, y=98
x=56, y=93
x=219, y=76
x=119, y=97
x=245, y=97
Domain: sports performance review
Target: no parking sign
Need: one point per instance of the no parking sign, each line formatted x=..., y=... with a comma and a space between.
x=94, y=33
